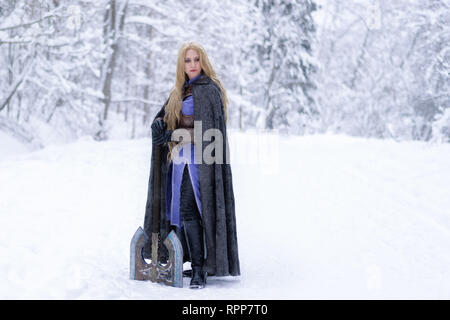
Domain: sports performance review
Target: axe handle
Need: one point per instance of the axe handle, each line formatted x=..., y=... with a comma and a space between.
x=156, y=205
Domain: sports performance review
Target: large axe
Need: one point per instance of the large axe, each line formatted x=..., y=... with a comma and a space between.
x=171, y=273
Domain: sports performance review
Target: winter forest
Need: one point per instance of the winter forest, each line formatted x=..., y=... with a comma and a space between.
x=373, y=68
x=339, y=130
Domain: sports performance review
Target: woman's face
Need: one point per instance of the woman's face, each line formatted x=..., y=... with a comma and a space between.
x=192, y=63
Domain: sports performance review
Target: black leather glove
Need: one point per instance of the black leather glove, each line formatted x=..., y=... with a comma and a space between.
x=159, y=133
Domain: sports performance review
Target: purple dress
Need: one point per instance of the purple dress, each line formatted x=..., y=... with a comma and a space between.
x=175, y=172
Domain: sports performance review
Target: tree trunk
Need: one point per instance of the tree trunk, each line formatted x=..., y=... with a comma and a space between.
x=112, y=30
x=147, y=87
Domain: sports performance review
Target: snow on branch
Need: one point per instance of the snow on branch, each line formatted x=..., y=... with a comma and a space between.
x=13, y=88
x=26, y=24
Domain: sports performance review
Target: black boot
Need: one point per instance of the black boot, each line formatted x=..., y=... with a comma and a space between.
x=194, y=237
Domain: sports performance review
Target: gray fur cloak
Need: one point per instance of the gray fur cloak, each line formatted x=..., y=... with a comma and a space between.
x=216, y=189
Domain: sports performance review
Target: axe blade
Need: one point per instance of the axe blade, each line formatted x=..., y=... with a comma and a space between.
x=170, y=274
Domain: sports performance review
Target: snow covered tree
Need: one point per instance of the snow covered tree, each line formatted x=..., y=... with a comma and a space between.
x=286, y=63
x=428, y=63
x=384, y=67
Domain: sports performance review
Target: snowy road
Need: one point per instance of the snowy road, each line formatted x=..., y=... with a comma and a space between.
x=334, y=217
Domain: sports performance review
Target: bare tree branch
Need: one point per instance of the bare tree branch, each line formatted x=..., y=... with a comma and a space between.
x=29, y=23
x=15, y=86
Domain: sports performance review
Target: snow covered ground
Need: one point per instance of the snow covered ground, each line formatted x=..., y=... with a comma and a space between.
x=331, y=217
x=11, y=146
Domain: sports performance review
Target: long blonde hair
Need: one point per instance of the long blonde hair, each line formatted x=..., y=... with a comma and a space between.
x=174, y=104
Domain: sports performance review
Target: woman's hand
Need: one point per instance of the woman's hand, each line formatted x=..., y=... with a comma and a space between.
x=159, y=133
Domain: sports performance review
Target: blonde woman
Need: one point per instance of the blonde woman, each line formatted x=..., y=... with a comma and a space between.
x=196, y=184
